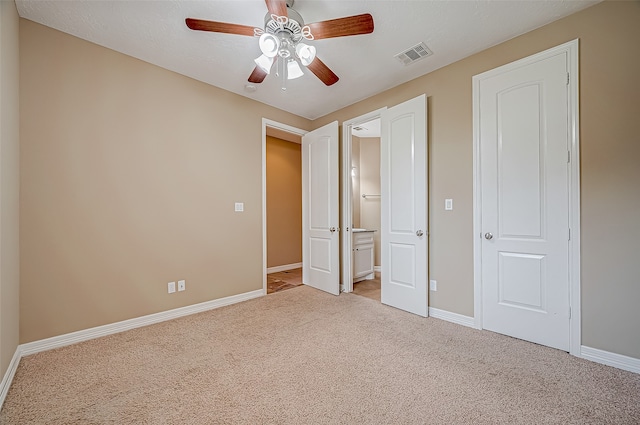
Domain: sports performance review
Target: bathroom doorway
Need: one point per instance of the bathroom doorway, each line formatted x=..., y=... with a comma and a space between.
x=360, y=209
x=366, y=197
x=403, y=205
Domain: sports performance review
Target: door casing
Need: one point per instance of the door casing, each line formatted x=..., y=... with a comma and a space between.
x=571, y=49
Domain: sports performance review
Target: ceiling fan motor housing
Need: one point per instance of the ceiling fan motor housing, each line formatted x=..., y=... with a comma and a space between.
x=292, y=26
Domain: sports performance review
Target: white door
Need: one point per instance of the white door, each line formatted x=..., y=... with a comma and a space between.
x=403, y=159
x=320, y=232
x=523, y=148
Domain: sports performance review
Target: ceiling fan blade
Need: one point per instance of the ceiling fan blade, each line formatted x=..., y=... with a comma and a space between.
x=257, y=76
x=351, y=25
x=277, y=7
x=202, y=25
x=323, y=72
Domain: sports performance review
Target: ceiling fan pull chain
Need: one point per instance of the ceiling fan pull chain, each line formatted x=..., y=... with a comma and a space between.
x=284, y=73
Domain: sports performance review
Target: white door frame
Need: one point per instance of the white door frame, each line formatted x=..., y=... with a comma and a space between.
x=274, y=124
x=571, y=48
x=347, y=195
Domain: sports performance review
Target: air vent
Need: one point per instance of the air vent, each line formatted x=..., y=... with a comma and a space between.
x=414, y=54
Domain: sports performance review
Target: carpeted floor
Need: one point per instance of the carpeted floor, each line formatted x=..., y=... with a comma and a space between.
x=301, y=356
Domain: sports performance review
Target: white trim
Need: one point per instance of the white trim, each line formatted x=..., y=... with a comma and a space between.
x=377, y=269
x=283, y=268
x=610, y=359
x=269, y=123
x=9, y=374
x=571, y=48
x=575, y=325
x=125, y=325
x=477, y=208
x=347, y=194
x=456, y=318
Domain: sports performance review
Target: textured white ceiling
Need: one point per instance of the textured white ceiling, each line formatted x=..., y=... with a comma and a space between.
x=154, y=31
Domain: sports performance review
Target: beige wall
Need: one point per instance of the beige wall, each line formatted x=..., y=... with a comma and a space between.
x=284, y=202
x=610, y=154
x=370, y=185
x=129, y=175
x=9, y=183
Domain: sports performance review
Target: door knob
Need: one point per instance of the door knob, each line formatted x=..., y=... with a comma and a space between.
x=419, y=233
x=488, y=236
x=333, y=229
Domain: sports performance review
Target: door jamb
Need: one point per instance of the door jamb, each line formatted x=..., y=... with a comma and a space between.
x=346, y=207
x=575, y=328
x=280, y=126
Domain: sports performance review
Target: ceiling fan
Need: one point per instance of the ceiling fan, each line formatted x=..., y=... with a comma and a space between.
x=281, y=40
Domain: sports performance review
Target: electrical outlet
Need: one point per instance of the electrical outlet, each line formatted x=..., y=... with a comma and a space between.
x=182, y=285
x=171, y=287
x=433, y=285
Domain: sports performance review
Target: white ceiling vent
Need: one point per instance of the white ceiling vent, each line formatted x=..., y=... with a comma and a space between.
x=414, y=54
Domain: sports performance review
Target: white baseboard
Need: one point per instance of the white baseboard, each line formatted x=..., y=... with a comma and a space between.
x=284, y=268
x=610, y=359
x=452, y=317
x=9, y=374
x=97, y=332
x=125, y=325
x=377, y=269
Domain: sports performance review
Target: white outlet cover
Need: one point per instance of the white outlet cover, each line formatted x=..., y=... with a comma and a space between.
x=239, y=207
x=182, y=285
x=171, y=287
x=433, y=285
x=448, y=204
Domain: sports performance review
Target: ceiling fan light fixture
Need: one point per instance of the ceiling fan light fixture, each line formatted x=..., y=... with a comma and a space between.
x=306, y=53
x=269, y=45
x=293, y=70
x=265, y=63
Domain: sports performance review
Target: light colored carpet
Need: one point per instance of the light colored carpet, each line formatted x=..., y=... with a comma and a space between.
x=305, y=357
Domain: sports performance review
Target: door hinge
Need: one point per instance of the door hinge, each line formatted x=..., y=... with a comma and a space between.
x=568, y=156
x=569, y=312
x=568, y=78
x=569, y=233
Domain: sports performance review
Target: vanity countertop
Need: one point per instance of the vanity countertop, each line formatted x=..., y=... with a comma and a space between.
x=357, y=230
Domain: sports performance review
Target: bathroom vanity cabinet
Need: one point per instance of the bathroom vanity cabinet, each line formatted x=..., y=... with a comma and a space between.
x=363, y=255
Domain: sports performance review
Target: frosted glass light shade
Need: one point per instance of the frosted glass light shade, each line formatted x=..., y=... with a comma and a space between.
x=269, y=45
x=306, y=53
x=293, y=70
x=264, y=63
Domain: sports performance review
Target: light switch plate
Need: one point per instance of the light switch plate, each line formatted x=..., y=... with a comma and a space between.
x=448, y=204
x=239, y=206
x=182, y=285
x=433, y=285
x=171, y=287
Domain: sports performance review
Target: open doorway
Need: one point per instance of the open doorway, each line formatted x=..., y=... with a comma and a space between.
x=403, y=205
x=366, y=197
x=282, y=207
x=361, y=201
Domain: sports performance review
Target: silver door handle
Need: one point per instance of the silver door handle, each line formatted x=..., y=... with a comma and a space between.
x=488, y=236
x=419, y=233
x=332, y=229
